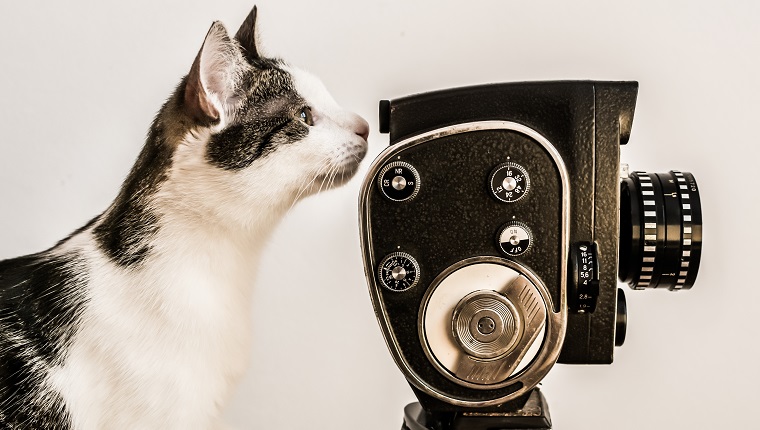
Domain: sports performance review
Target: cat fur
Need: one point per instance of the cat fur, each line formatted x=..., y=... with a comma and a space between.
x=141, y=318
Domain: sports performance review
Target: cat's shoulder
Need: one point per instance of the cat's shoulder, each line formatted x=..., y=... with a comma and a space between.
x=42, y=284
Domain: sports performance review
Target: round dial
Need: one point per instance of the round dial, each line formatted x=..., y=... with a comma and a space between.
x=515, y=239
x=399, y=181
x=509, y=182
x=398, y=271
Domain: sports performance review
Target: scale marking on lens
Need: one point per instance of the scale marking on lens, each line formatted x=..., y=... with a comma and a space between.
x=661, y=230
x=686, y=239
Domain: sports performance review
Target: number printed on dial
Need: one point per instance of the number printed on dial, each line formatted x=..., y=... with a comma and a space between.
x=509, y=182
x=398, y=271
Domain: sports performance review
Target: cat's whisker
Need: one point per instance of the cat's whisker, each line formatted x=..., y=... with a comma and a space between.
x=308, y=185
x=335, y=175
x=322, y=182
x=162, y=279
x=326, y=180
x=331, y=178
x=324, y=177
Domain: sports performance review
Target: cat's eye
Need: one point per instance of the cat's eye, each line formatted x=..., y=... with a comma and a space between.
x=305, y=115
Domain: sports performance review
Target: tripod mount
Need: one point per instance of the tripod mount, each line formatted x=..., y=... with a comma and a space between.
x=529, y=412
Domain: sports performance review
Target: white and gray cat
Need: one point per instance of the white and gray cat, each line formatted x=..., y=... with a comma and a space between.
x=140, y=319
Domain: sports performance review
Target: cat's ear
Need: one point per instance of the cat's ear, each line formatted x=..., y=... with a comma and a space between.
x=214, y=78
x=247, y=36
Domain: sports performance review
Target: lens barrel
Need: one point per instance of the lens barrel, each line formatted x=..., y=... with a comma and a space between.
x=660, y=230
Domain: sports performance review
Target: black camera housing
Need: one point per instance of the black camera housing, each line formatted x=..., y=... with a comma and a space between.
x=453, y=216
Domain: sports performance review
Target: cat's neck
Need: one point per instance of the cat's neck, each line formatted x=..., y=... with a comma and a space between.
x=208, y=252
x=168, y=205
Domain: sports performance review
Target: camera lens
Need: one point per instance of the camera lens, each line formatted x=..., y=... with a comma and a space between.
x=660, y=230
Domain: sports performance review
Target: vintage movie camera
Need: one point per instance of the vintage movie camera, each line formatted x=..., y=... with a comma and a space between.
x=494, y=228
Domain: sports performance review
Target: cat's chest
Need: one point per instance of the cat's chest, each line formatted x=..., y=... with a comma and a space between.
x=153, y=340
x=194, y=311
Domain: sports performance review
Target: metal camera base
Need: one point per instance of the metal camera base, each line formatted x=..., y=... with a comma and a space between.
x=534, y=414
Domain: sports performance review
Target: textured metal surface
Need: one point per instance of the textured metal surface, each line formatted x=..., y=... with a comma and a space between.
x=585, y=122
x=455, y=217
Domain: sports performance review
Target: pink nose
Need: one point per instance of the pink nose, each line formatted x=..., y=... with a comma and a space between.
x=361, y=127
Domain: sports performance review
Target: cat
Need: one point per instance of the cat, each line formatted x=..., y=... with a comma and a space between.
x=140, y=319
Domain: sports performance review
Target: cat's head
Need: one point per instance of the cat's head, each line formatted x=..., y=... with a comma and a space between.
x=263, y=132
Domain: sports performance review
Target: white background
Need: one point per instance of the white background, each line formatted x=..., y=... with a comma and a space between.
x=81, y=80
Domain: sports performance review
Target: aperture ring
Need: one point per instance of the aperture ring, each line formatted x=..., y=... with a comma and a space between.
x=661, y=230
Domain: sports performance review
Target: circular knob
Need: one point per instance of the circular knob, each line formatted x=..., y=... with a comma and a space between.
x=515, y=239
x=399, y=181
x=621, y=318
x=584, y=277
x=486, y=324
x=509, y=182
x=398, y=271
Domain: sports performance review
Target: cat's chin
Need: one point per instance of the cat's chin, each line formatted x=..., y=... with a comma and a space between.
x=336, y=178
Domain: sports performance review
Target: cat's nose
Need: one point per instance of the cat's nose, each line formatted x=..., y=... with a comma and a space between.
x=362, y=127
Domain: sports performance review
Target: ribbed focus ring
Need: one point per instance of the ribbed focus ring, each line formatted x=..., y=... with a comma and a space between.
x=649, y=255
x=660, y=230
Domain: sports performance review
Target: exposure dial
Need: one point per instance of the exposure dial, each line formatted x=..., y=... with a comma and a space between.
x=584, y=277
x=398, y=271
x=509, y=182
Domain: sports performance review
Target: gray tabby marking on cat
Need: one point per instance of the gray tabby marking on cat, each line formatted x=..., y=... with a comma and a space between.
x=140, y=319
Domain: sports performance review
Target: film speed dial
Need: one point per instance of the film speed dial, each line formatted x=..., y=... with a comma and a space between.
x=398, y=271
x=509, y=182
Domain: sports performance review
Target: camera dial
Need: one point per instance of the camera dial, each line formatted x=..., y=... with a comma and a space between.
x=515, y=239
x=399, y=181
x=399, y=271
x=486, y=324
x=509, y=182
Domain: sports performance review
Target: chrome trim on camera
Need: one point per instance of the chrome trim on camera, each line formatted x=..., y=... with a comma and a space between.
x=557, y=321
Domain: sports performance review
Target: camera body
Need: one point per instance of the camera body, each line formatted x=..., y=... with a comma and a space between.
x=490, y=234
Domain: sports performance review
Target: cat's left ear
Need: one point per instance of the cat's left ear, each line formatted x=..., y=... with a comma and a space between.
x=248, y=37
x=212, y=84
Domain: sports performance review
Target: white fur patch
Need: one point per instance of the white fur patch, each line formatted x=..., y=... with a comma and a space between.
x=161, y=343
